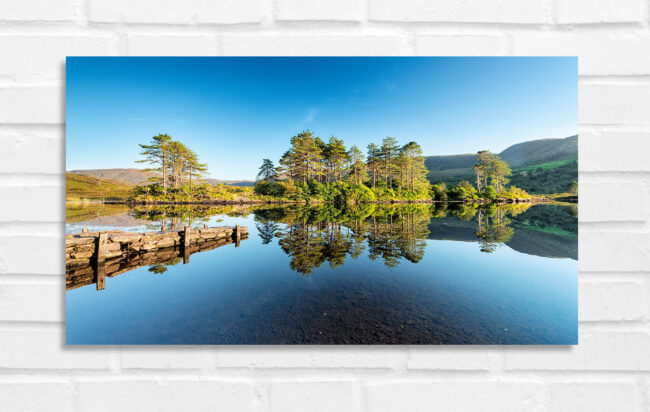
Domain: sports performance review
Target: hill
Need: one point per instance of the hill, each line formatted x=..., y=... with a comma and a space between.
x=128, y=176
x=539, y=166
x=537, y=152
x=138, y=176
x=79, y=187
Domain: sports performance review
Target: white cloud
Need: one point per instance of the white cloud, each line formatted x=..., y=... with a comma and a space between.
x=311, y=115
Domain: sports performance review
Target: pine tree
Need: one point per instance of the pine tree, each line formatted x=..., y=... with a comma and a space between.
x=388, y=152
x=267, y=172
x=335, y=155
x=157, y=152
x=357, y=168
x=373, y=161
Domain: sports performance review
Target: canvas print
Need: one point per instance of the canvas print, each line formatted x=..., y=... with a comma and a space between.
x=321, y=200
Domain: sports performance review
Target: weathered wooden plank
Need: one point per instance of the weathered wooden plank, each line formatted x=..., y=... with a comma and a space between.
x=101, y=246
x=186, y=236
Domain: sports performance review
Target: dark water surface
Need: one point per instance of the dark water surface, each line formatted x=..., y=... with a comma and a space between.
x=414, y=274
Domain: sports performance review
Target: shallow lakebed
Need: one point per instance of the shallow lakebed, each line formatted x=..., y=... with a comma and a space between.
x=372, y=274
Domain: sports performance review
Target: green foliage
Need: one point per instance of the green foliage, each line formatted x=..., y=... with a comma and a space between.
x=266, y=188
x=489, y=193
x=572, y=188
x=464, y=191
x=154, y=192
x=514, y=192
x=439, y=192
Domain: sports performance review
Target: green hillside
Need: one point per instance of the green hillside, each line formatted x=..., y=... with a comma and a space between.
x=85, y=187
x=542, y=151
x=552, y=177
x=538, y=166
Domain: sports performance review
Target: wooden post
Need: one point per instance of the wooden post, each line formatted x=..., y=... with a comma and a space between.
x=186, y=256
x=237, y=235
x=101, y=247
x=100, y=281
x=186, y=237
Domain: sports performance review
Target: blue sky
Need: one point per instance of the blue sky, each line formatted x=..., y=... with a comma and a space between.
x=236, y=111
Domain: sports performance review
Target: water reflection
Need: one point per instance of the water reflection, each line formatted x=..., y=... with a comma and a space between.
x=442, y=273
x=313, y=235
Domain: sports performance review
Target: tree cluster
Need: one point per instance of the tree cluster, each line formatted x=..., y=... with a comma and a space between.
x=174, y=161
x=310, y=159
x=491, y=170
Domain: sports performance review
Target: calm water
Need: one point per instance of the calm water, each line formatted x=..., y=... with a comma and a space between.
x=410, y=274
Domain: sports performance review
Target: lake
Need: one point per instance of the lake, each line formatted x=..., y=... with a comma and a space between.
x=370, y=274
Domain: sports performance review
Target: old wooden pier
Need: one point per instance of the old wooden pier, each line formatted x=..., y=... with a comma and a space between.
x=92, y=256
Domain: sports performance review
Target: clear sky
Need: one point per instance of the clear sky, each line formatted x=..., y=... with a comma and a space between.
x=236, y=111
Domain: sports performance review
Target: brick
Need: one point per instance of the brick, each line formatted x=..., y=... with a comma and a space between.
x=615, y=151
x=316, y=396
x=166, y=358
x=313, y=45
x=448, y=358
x=31, y=302
x=597, y=351
x=613, y=251
x=45, y=105
x=36, y=396
x=471, y=11
x=455, y=396
x=37, y=10
x=339, y=10
x=595, y=396
x=45, y=349
x=26, y=204
x=460, y=45
x=310, y=357
x=145, y=45
x=599, y=53
x=599, y=11
x=608, y=200
x=36, y=57
x=32, y=254
x=165, y=395
x=28, y=151
x=611, y=301
x=620, y=104
x=173, y=12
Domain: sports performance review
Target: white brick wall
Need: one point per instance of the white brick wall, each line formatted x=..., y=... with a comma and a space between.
x=608, y=371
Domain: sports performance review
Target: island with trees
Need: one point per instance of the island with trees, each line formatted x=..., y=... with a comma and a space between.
x=315, y=170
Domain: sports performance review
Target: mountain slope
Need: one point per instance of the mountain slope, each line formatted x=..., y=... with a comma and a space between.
x=87, y=187
x=138, y=176
x=130, y=176
x=541, y=151
x=539, y=166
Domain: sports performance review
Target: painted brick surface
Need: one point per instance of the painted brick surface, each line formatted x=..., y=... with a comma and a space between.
x=607, y=371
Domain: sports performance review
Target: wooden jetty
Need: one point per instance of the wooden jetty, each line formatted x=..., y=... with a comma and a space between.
x=91, y=256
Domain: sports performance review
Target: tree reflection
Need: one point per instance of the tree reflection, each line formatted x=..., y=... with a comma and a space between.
x=266, y=231
x=493, y=229
x=160, y=268
x=313, y=236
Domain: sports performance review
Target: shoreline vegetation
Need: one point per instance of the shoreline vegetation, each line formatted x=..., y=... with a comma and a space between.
x=311, y=171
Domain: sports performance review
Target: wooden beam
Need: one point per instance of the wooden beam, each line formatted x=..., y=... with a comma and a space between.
x=101, y=276
x=186, y=236
x=101, y=247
